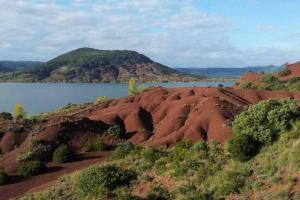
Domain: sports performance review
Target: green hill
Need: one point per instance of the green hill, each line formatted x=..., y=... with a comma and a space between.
x=92, y=65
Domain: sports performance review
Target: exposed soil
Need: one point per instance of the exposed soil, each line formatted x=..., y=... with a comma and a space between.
x=157, y=117
x=20, y=186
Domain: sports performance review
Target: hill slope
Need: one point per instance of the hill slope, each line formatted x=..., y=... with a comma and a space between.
x=228, y=72
x=92, y=65
x=9, y=66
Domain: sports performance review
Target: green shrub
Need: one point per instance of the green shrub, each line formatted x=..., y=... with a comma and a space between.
x=228, y=182
x=159, y=193
x=5, y=115
x=103, y=177
x=37, y=151
x=30, y=168
x=264, y=120
x=101, y=99
x=62, y=154
x=3, y=178
x=151, y=155
x=181, y=150
x=247, y=85
x=122, y=150
x=201, y=145
x=95, y=145
x=243, y=147
x=115, y=130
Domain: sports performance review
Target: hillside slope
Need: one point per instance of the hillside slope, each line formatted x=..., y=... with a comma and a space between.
x=92, y=65
x=171, y=115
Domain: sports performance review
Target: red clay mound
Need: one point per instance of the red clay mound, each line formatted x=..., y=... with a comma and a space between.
x=252, y=77
x=168, y=115
x=294, y=71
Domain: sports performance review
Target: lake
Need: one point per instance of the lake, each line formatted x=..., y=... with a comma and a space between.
x=44, y=97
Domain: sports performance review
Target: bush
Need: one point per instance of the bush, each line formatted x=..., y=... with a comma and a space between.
x=5, y=115
x=263, y=121
x=159, y=193
x=101, y=99
x=105, y=177
x=181, y=150
x=95, y=145
x=247, y=85
x=62, y=154
x=229, y=182
x=122, y=150
x=243, y=147
x=115, y=131
x=201, y=145
x=30, y=168
x=151, y=155
x=37, y=151
x=3, y=178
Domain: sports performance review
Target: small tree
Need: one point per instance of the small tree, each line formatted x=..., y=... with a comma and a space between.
x=132, y=87
x=18, y=111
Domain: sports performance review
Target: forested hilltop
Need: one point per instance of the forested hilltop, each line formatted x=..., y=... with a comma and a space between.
x=92, y=65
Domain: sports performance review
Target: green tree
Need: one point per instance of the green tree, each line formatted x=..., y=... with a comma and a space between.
x=132, y=87
x=18, y=111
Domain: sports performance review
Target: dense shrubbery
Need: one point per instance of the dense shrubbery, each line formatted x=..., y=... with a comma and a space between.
x=62, y=154
x=115, y=130
x=95, y=145
x=264, y=120
x=100, y=178
x=5, y=115
x=37, y=151
x=260, y=125
x=3, y=178
x=243, y=147
x=30, y=168
x=151, y=155
x=122, y=150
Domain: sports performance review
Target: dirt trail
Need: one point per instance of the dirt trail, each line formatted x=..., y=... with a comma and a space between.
x=40, y=182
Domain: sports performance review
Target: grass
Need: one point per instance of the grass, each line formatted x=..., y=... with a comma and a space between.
x=199, y=171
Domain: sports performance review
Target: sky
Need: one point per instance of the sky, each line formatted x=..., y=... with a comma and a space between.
x=176, y=33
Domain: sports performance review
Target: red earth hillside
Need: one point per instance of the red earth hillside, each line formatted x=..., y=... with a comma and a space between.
x=157, y=117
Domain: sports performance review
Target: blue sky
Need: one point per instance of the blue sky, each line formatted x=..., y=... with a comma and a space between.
x=177, y=33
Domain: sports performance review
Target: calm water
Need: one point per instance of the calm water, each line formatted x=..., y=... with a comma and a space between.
x=43, y=97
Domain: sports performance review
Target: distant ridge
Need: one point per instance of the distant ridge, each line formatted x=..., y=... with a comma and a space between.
x=93, y=65
x=228, y=72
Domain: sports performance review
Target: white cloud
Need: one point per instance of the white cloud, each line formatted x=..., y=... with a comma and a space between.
x=172, y=32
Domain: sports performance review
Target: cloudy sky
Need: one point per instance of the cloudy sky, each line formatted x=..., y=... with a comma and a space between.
x=177, y=33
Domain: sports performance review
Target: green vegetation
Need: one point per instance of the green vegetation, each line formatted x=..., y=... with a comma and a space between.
x=270, y=82
x=116, y=131
x=4, y=179
x=62, y=154
x=92, y=65
x=101, y=99
x=103, y=179
x=18, y=111
x=266, y=139
x=30, y=168
x=37, y=151
x=132, y=87
x=95, y=144
x=6, y=116
x=265, y=120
